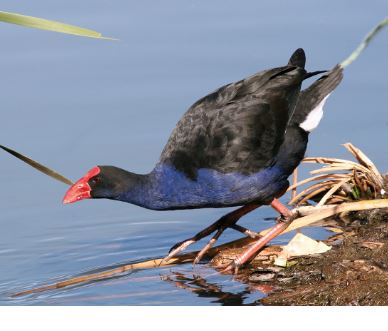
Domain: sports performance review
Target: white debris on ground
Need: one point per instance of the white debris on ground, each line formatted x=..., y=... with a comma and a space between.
x=300, y=245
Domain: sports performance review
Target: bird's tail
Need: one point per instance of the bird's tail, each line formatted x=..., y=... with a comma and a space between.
x=313, y=98
x=298, y=58
x=314, y=73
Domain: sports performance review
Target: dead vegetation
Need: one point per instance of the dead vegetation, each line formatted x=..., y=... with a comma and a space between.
x=341, y=181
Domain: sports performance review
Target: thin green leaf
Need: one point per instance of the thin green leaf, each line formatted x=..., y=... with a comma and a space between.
x=38, y=166
x=40, y=23
x=364, y=43
x=356, y=193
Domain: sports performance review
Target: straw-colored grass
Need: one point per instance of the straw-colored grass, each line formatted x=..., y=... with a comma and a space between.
x=340, y=180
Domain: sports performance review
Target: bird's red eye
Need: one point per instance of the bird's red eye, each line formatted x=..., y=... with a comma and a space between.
x=95, y=180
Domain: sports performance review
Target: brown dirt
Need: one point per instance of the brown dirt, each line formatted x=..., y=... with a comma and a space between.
x=353, y=272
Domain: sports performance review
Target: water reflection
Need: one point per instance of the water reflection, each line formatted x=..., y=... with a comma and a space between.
x=202, y=281
x=203, y=288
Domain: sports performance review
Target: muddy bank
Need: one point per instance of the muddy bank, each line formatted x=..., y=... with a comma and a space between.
x=353, y=272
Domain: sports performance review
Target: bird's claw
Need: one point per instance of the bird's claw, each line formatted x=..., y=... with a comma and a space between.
x=294, y=214
x=177, y=248
x=232, y=268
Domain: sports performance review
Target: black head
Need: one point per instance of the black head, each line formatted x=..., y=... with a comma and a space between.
x=100, y=182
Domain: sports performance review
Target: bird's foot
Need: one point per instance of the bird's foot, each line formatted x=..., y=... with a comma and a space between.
x=286, y=218
x=177, y=248
x=231, y=268
x=227, y=221
x=252, y=250
x=181, y=246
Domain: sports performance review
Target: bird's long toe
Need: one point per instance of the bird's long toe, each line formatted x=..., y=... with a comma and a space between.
x=177, y=248
x=231, y=268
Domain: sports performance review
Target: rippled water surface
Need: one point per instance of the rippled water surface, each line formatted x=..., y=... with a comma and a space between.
x=72, y=103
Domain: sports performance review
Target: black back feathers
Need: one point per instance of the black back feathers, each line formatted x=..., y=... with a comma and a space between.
x=239, y=127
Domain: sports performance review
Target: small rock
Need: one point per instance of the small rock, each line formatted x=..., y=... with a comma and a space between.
x=372, y=244
x=283, y=274
x=315, y=272
x=286, y=279
x=261, y=258
x=266, y=262
x=269, y=269
x=262, y=277
x=359, y=262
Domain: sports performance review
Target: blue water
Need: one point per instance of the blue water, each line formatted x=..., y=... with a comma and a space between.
x=72, y=103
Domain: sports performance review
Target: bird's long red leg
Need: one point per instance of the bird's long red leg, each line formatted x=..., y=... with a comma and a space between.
x=228, y=220
x=286, y=219
x=218, y=234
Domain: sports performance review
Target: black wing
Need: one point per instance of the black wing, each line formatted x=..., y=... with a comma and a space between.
x=237, y=128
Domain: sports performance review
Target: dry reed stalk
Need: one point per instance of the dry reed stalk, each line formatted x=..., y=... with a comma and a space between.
x=340, y=180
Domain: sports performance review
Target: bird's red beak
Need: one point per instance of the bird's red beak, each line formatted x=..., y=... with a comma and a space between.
x=81, y=189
